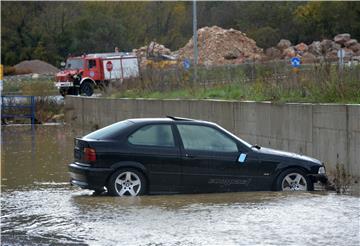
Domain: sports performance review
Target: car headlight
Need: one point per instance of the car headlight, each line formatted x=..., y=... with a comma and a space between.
x=321, y=170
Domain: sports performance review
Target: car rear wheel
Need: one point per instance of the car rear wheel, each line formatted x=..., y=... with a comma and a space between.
x=293, y=180
x=127, y=182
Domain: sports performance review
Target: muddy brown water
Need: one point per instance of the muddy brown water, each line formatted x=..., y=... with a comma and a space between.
x=39, y=207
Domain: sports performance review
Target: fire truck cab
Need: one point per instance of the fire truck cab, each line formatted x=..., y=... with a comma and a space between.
x=83, y=74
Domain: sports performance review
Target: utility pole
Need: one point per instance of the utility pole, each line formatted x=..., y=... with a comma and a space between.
x=195, y=41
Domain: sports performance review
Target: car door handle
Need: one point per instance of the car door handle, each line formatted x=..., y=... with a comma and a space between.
x=188, y=156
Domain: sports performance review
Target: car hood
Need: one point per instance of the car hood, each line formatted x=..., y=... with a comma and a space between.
x=280, y=153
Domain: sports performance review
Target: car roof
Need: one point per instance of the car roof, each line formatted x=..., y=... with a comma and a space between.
x=167, y=119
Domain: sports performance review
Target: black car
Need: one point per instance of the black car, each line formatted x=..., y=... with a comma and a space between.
x=177, y=155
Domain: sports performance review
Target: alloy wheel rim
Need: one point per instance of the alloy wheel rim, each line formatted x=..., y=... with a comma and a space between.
x=127, y=184
x=294, y=182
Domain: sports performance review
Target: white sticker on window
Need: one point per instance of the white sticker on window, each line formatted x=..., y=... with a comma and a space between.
x=242, y=158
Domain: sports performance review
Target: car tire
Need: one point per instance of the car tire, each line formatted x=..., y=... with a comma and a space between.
x=63, y=92
x=127, y=182
x=87, y=88
x=294, y=179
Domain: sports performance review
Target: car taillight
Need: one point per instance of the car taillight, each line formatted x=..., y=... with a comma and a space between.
x=89, y=154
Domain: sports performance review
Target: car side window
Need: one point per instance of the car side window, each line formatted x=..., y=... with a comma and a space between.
x=195, y=137
x=153, y=135
x=91, y=63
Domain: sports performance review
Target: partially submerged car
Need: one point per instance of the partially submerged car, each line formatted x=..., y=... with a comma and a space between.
x=177, y=155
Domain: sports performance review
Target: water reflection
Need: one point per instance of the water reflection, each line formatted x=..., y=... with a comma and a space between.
x=39, y=207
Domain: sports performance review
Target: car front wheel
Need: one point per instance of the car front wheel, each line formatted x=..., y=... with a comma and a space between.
x=87, y=88
x=293, y=180
x=127, y=182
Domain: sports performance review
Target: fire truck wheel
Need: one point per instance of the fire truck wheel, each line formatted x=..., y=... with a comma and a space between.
x=63, y=92
x=86, y=88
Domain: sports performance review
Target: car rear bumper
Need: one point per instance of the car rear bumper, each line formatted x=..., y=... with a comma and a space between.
x=86, y=177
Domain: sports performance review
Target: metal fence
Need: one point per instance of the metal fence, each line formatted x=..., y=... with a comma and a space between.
x=18, y=107
x=278, y=72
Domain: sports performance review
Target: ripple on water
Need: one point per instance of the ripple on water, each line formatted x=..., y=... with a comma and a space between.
x=60, y=214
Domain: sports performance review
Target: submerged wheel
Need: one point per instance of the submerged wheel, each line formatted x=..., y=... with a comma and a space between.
x=87, y=88
x=63, y=92
x=127, y=182
x=293, y=180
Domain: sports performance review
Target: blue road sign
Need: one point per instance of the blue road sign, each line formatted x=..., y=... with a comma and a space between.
x=186, y=64
x=295, y=61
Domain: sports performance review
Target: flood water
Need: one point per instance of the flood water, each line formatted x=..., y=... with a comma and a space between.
x=39, y=207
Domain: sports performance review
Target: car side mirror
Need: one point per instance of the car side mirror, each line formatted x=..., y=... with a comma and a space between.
x=242, y=158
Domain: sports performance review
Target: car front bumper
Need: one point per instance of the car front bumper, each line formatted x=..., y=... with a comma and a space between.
x=64, y=84
x=88, y=177
x=319, y=177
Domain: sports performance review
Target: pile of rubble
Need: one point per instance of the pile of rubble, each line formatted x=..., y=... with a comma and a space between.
x=153, y=49
x=318, y=49
x=217, y=46
x=221, y=46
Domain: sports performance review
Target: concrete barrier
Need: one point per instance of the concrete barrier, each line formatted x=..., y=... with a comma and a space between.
x=329, y=132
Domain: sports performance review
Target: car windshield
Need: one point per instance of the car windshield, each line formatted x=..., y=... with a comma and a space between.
x=109, y=132
x=74, y=64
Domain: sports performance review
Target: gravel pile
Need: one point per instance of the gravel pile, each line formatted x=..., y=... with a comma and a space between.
x=36, y=66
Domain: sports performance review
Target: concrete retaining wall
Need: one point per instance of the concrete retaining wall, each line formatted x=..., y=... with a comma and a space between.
x=329, y=132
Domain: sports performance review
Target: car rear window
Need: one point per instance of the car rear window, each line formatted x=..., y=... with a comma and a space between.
x=109, y=132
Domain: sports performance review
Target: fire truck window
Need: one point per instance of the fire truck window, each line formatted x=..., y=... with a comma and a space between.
x=91, y=63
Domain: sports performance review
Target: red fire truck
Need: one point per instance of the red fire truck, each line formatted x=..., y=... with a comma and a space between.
x=82, y=74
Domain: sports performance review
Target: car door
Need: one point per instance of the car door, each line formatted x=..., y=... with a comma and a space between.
x=210, y=160
x=155, y=146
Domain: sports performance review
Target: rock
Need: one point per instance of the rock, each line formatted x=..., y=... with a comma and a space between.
x=348, y=53
x=233, y=54
x=335, y=46
x=283, y=44
x=308, y=58
x=289, y=52
x=351, y=42
x=355, y=47
x=58, y=118
x=315, y=48
x=273, y=53
x=35, y=76
x=331, y=55
x=301, y=47
x=342, y=38
x=326, y=45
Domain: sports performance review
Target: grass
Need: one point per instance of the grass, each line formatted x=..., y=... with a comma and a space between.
x=29, y=86
x=330, y=91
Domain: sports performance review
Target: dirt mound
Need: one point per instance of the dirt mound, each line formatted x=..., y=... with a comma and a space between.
x=36, y=66
x=221, y=46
